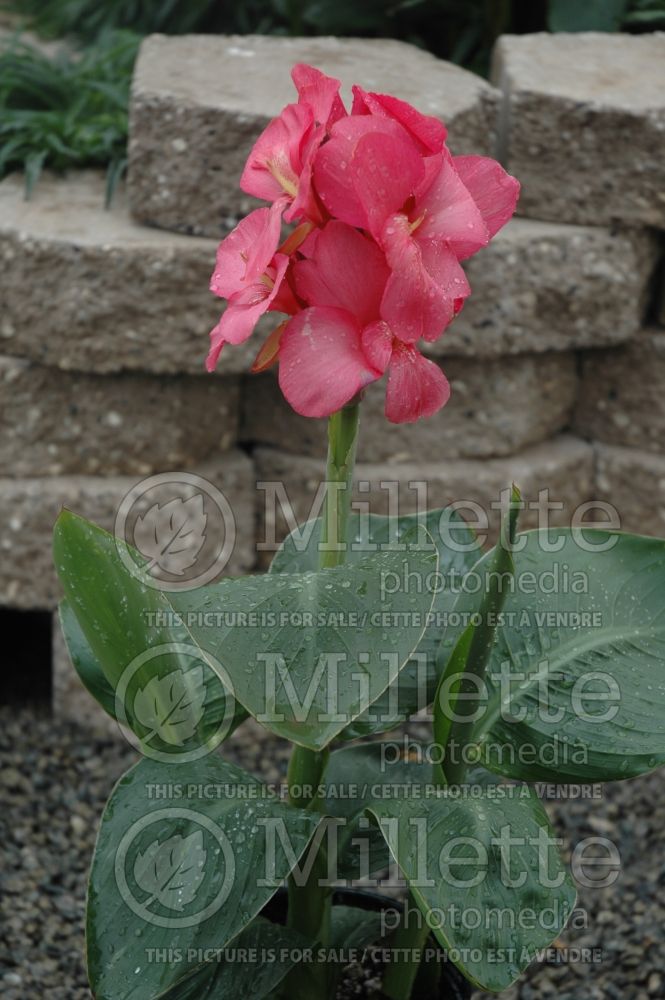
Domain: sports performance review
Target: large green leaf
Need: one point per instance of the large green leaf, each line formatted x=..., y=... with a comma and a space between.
x=351, y=927
x=592, y=15
x=458, y=551
x=132, y=651
x=327, y=649
x=481, y=863
x=455, y=700
x=177, y=873
x=305, y=653
x=576, y=679
x=356, y=776
x=85, y=662
x=359, y=775
x=251, y=965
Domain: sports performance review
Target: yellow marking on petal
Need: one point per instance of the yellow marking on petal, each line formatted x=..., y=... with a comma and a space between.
x=291, y=187
x=414, y=225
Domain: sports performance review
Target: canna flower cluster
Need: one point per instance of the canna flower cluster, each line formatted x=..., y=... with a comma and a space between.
x=382, y=214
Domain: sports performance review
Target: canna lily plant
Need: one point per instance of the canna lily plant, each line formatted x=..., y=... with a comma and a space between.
x=539, y=660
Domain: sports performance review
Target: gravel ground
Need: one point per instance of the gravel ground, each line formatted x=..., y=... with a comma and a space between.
x=54, y=779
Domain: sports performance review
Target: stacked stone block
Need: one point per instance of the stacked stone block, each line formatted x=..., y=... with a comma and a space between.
x=583, y=126
x=557, y=383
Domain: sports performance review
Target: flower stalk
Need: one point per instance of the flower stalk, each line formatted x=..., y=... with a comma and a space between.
x=310, y=904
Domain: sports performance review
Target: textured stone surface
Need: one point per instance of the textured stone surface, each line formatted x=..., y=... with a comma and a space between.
x=622, y=394
x=540, y=286
x=199, y=102
x=583, y=124
x=89, y=289
x=107, y=295
x=30, y=506
x=495, y=409
x=633, y=482
x=564, y=466
x=54, y=422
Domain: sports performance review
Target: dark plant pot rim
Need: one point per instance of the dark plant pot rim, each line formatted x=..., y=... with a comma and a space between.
x=452, y=984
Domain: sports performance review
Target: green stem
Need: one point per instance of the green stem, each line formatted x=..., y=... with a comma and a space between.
x=310, y=904
x=471, y=655
x=407, y=945
x=342, y=439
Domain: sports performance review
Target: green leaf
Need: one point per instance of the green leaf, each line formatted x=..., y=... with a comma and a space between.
x=360, y=775
x=244, y=970
x=576, y=686
x=477, y=860
x=454, y=540
x=593, y=15
x=325, y=648
x=354, y=777
x=351, y=929
x=131, y=650
x=177, y=874
x=85, y=662
x=301, y=652
x=472, y=652
x=458, y=551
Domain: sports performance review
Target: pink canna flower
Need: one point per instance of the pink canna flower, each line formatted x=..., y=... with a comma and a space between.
x=330, y=351
x=249, y=273
x=279, y=167
x=386, y=215
x=320, y=92
x=372, y=174
x=428, y=133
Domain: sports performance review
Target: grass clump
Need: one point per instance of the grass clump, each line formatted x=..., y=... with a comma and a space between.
x=66, y=111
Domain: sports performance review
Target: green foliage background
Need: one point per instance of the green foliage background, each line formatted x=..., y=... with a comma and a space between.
x=71, y=110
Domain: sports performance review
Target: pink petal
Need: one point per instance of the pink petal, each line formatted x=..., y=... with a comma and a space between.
x=321, y=362
x=377, y=344
x=494, y=191
x=386, y=170
x=234, y=251
x=321, y=92
x=443, y=266
x=348, y=271
x=447, y=210
x=275, y=162
x=216, y=344
x=305, y=205
x=413, y=304
x=416, y=387
x=239, y=319
x=243, y=312
x=429, y=132
x=332, y=177
x=283, y=300
x=263, y=249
